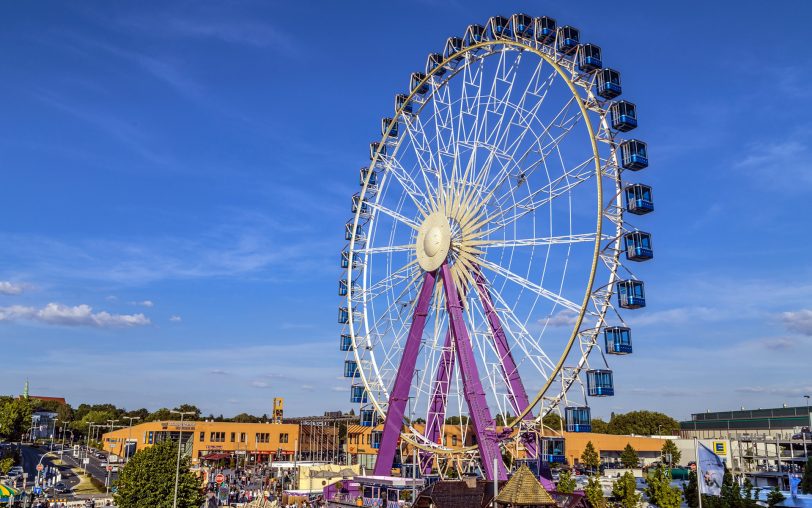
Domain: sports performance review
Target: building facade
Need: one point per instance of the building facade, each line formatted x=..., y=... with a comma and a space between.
x=782, y=422
x=248, y=442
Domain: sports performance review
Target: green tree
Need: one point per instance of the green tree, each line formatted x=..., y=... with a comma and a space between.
x=599, y=426
x=670, y=450
x=690, y=490
x=6, y=463
x=775, y=497
x=552, y=421
x=659, y=490
x=624, y=491
x=158, y=415
x=566, y=483
x=590, y=457
x=15, y=418
x=645, y=423
x=148, y=480
x=594, y=493
x=190, y=408
x=629, y=457
x=806, y=480
x=245, y=418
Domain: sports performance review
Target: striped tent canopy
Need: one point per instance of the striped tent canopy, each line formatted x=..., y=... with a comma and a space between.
x=6, y=491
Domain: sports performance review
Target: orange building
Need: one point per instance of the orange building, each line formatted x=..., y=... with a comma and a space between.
x=610, y=446
x=252, y=442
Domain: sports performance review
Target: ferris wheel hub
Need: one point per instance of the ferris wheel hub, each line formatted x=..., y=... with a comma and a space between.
x=433, y=241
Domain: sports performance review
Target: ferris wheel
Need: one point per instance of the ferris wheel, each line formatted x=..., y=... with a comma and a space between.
x=486, y=245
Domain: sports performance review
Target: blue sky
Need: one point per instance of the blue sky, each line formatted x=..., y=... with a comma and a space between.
x=176, y=177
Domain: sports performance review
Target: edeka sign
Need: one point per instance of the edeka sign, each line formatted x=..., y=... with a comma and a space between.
x=720, y=448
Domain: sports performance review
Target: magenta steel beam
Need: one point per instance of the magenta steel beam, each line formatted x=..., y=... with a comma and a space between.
x=399, y=395
x=507, y=365
x=480, y=414
x=436, y=414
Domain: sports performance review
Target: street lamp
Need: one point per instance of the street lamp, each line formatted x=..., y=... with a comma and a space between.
x=62, y=449
x=177, y=465
x=53, y=431
x=129, y=435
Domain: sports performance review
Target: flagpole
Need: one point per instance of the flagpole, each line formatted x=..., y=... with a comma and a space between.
x=698, y=473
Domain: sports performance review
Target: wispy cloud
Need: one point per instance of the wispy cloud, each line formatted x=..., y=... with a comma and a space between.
x=563, y=318
x=10, y=288
x=175, y=319
x=144, y=303
x=79, y=315
x=789, y=157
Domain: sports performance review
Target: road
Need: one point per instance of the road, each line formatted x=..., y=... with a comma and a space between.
x=31, y=457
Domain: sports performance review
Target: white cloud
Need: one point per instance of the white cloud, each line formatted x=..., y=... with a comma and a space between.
x=10, y=288
x=563, y=318
x=175, y=319
x=146, y=303
x=78, y=315
x=218, y=372
x=257, y=383
x=799, y=321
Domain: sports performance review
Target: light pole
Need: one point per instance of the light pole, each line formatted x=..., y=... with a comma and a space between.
x=53, y=431
x=177, y=465
x=129, y=435
x=803, y=434
x=62, y=448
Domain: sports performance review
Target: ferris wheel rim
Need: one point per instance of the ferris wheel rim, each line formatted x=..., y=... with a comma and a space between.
x=596, y=251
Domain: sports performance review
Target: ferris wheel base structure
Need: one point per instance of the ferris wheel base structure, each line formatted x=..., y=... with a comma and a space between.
x=472, y=211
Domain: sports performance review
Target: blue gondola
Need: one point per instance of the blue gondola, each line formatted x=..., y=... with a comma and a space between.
x=474, y=34
x=638, y=246
x=545, y=30
x=589, y=58
x=360, y=206
x=567, y=39
x=358, y=394
x=624, y=116
x=376, y=147
x=346, y=342
x=631, y=294
x=577, y=419
x=453, y=46
x=342, y=287
x=351, y=369
x=634, y=155
x=434, y=61
x=552, y=449
x=386, y=131
x=609, y=83
x=639, y=200
x=402, y=104
x=345, y=259
x=618, y=340
x=359, y=234
x=343, y=315
x=368, y=417
x=416, y=84
x=599, y=383
x=372, y=174
x=375, y=439
x=521, y=26
x=498, y=28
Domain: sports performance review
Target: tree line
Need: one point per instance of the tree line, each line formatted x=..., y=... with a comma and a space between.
x=16, y=412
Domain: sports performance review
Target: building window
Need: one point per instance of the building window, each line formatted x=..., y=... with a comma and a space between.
x=453, y=440
x=242, y=437
x=445, y=440
x=233, y=436
x=283, y=438
x=263, y=437
x=217, y=437
x=151, y=437
x=202, y=436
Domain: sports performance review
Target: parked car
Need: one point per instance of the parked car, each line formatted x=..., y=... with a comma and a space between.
x=61, y=488
x=101, y=456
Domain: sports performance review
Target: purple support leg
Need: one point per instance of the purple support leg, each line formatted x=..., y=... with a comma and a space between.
x=400, y=391
x=510, y=373
x=480, y=414
x=436, y=414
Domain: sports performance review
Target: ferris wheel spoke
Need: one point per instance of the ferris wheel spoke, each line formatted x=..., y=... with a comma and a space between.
x=421, y=148
x=388, y=249
x=395, y=215
x=407, y=183
x=538, y=242
x=521, y=281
